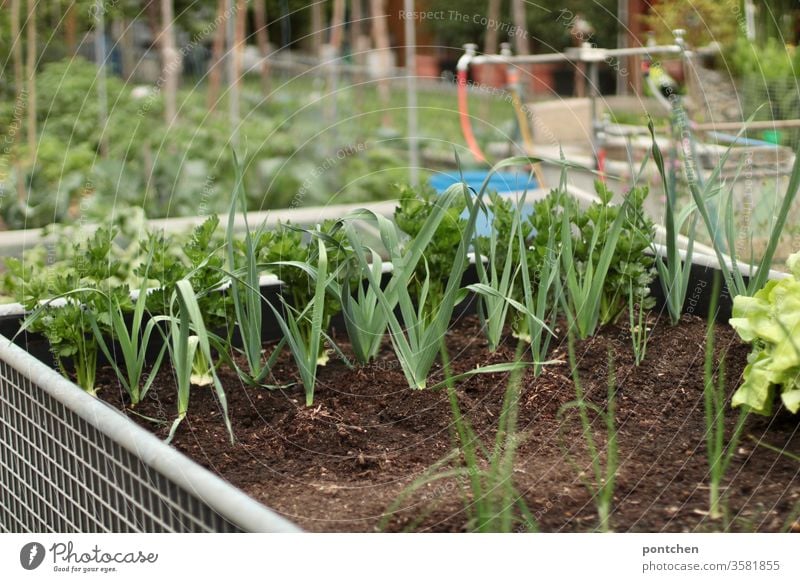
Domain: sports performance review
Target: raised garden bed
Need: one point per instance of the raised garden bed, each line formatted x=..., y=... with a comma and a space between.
x=404, y=440
x=338, y=466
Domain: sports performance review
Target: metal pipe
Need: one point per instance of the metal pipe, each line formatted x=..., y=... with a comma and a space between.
x=518, y=59
x=233, y=81
x=583, y=54
x=411, y=94
x=735, y=125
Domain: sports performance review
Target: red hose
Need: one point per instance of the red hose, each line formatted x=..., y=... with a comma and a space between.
x=466, y=126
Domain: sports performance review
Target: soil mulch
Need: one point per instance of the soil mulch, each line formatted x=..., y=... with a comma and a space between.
x=340, y=464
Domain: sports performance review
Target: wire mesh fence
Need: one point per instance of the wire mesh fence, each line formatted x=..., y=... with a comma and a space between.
x=773, y=100
x=60, y=471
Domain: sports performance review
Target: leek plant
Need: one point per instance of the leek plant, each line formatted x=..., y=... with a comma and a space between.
x=416, y=333
x=363, y=318
x=637, y=318
x=187, y=336
x=416, y=338
x=413, y=207
x=486, y=473
x=673, y=275
x=604, y=476
x=245, y=291
x=133, y=342
x=498, y=281
x=306, y=341
x=541, y=301
x=718, y=452
x=703, y=198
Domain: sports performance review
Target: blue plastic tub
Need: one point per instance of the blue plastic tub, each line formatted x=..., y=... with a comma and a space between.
x=501, y=182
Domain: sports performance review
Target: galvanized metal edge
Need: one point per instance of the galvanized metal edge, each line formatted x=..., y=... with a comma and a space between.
x=227, y=500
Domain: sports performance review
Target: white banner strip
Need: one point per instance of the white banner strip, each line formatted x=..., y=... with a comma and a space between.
x=406, y=557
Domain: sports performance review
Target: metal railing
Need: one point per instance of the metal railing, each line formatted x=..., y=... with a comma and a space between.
x=70, y=463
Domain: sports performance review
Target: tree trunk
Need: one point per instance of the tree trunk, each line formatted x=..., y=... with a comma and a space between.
x=171, y=62
x=337, y=25
x=126, y=47
x=71, y=29
x=238, y=46
x=16, y=48
x=493, y=14
x=380, y=38
x=356, y=43
x=262, y=37
x=217, y=51
x=316, y=27
x=153, y=14
x=355, y=27
x=31, y=26
x=522, y=45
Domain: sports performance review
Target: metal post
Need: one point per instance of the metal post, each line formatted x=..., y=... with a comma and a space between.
x=102, y=93
x=594, y=91
x=233, y=85
x=411, y=94
x=623, y=15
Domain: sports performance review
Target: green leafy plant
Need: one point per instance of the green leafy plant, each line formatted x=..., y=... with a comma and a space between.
x=60, y=306
x=604, y=475
x=718, y=452
x=673, y=275
x=585, y=280
x=630, y=261
x=64, y=322
x=415, y=205
x=288, y=251
x=770, y=320
x=199, y=258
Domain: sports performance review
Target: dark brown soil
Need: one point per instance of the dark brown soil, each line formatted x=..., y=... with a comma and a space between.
x=338, y=466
